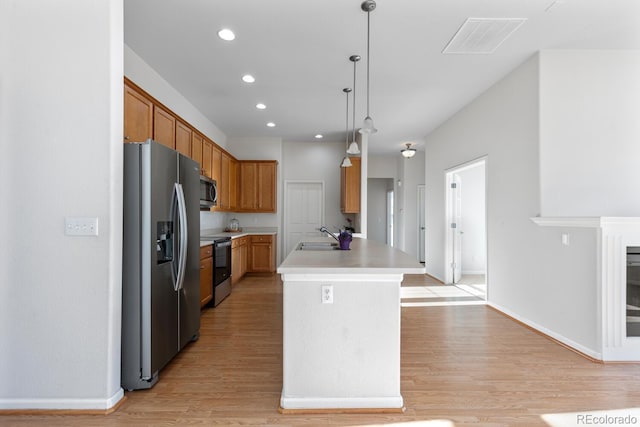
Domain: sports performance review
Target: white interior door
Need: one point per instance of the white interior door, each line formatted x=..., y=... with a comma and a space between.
x=421, y=224
x=304, y=211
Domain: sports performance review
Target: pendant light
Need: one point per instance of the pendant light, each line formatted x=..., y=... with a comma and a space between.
x=353, y=147
x=367, y=126
x=408, y=152
x=346, y=162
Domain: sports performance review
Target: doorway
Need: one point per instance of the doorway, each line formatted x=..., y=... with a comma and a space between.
x=303, y=213
x=380, y=208
x=465, y=213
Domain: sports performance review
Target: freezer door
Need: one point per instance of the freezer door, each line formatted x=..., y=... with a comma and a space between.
x=189, y=177
x=160, y=299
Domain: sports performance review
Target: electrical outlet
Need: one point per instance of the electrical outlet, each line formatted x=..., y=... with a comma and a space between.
x=327, y=294
x=565, y=239
x=81, y=226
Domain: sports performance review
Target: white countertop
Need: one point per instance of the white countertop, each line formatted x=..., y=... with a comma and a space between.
x=365, y=256
x=246, y=231
x=206, y=243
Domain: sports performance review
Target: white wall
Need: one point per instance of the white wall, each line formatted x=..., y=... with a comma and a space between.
x=473, y=220
x=413, y=174
x=319, y=161
x=377, y=208
x=153, y=83
x=61, y=139
x=531, y=275
x=590, y=133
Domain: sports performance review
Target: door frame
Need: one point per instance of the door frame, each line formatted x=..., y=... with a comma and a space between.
x=285, y=216
x=421, y=216
x=448, y=207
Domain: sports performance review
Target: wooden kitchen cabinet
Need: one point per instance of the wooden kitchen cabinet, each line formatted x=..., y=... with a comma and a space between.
x=239, y=261
x=233, y=184
x=258, y=186
x=350, y=187
x=206, y=274
x=138, y=116
x=224, y=185
x=207, y=153
x=183, y=138
x=196, y=150
x=216, y=155
x=262, y=254
x=164, y=127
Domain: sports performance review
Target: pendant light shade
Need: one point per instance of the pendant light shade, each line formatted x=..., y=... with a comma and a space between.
x=367, y=126
x=353, y=147
x=346, y=162
x=408, y=152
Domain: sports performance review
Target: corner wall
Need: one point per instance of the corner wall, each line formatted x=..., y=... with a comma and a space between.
x=531, y=275
x=61, y=138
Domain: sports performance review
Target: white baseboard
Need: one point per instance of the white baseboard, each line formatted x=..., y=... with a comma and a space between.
x=564, y=340
x=341, y=402
x=473, y=272
x=63, y=403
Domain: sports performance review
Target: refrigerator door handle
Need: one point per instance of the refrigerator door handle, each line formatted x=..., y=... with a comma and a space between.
x=182, y=252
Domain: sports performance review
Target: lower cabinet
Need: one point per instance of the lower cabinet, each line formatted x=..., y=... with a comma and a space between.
x=252, y=254
x=262, y=254
x=206, y=274
x=239, y=261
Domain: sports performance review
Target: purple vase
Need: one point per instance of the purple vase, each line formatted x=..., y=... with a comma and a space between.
x=345, y=240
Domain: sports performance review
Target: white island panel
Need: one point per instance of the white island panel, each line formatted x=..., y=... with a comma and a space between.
x=343, y=355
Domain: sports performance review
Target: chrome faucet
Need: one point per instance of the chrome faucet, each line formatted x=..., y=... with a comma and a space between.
x=324, y=229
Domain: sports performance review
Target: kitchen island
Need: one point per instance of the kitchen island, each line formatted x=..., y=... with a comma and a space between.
x=341, y=327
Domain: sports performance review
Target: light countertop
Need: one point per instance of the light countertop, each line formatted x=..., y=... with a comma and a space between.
x=246, y=231
x=365, y=256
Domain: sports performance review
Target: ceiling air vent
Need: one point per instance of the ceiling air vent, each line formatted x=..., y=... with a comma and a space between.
x=482, y=35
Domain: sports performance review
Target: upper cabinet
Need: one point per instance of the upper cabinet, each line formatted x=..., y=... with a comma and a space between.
x=207, y=153
x=138, y=116
x=164, y=127
x=183, y=138
x=350, y=187
x=196, y=150
x=243, y=186
x=258, y=186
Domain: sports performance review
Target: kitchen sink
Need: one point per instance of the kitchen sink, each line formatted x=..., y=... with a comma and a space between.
x=318, y=246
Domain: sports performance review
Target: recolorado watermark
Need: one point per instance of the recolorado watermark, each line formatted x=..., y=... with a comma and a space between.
x=606, y=420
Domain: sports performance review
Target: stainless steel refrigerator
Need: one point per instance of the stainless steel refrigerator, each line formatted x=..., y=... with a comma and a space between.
x=161, y=253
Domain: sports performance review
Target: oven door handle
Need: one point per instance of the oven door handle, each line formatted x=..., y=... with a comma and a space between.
x=633, y=263
x=222, y=244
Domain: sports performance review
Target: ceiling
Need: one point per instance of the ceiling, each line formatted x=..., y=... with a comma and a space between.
x=299, y=52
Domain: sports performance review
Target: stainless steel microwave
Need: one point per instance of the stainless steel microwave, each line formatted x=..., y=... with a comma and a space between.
x=208, y=192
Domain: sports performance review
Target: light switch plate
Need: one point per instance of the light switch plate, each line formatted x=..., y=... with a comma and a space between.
x=81, y=226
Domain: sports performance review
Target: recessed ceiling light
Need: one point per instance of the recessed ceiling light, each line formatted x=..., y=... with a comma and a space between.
x=271, y=124
x=261, y=106
x=248, y=78
x=318, y=136
x=226, y=34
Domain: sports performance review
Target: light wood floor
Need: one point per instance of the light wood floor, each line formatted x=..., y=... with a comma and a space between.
x=466, y=364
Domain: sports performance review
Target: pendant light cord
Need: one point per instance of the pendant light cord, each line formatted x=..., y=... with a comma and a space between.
x=368, y=56
x=347, y=121
x=354, y=99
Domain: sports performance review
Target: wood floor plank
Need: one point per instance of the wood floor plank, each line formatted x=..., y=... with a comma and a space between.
x=466, y=364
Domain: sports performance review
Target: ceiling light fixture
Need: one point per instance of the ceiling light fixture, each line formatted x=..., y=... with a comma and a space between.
x=346, y=162
x=248, y=78
x=261, y=106
x=353, y=147
x=226, y=34
x=367, y=126
x=408, y=152
x=271, y=124
x=318, y=136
